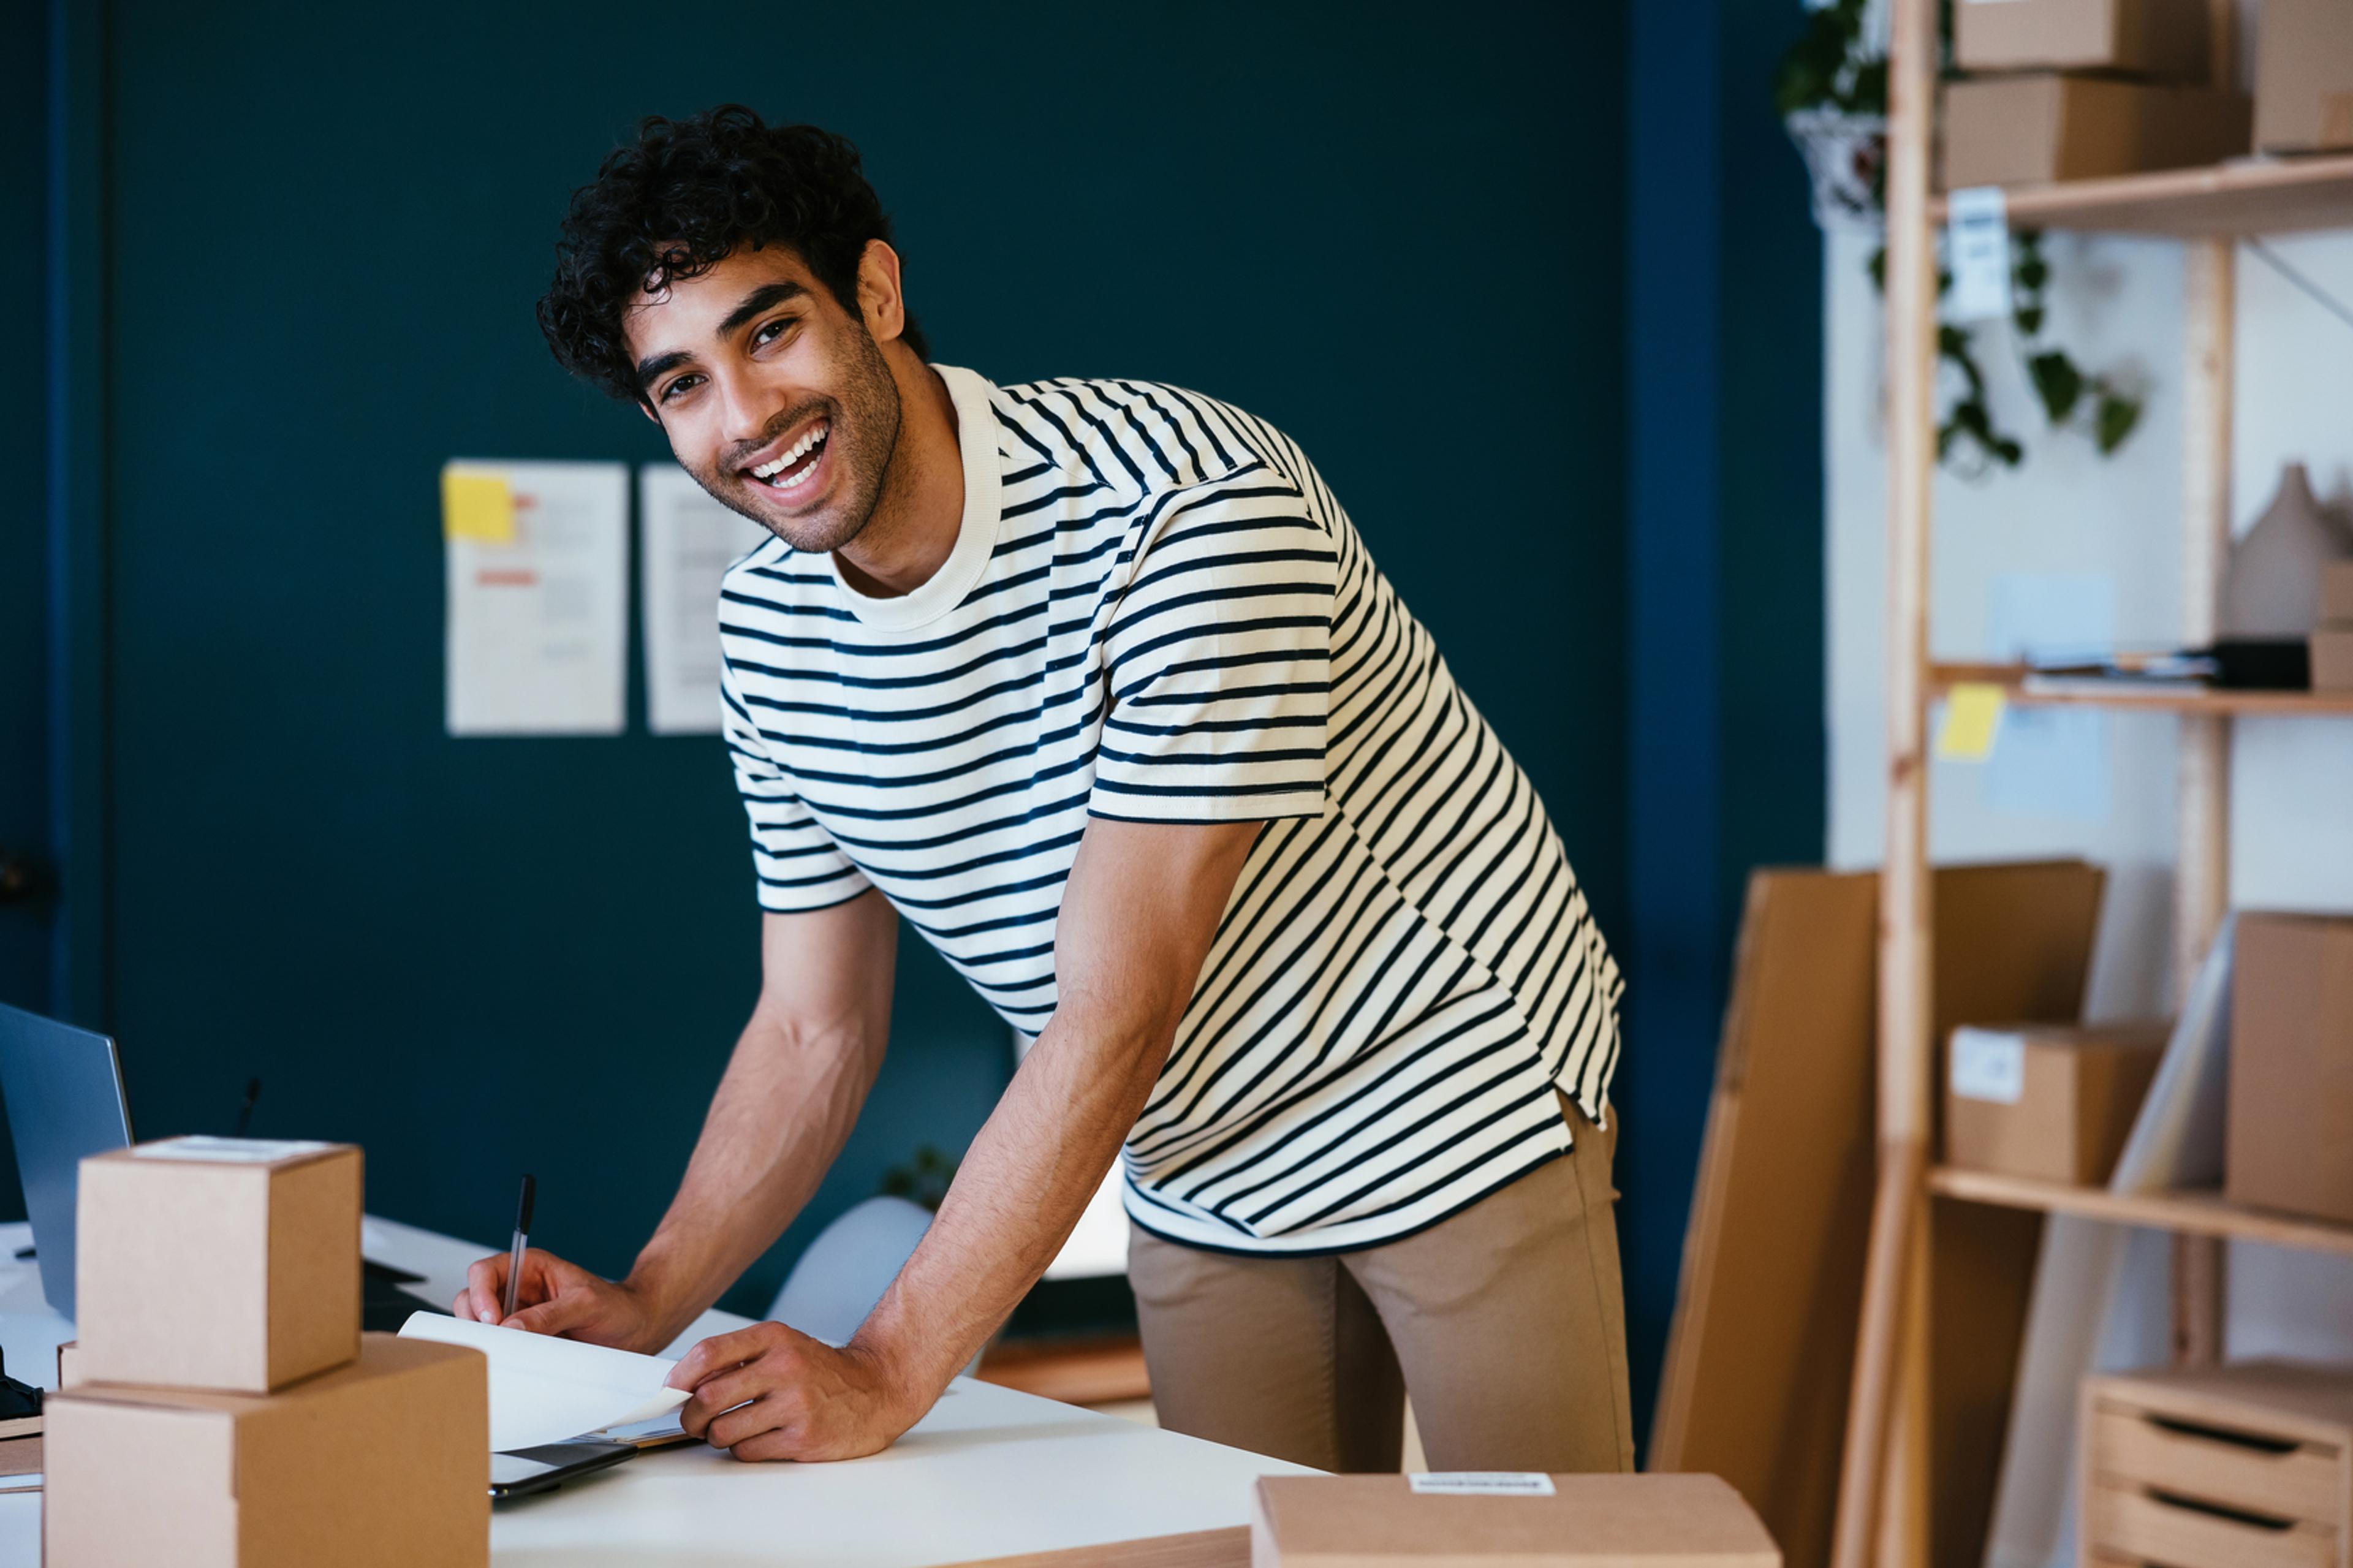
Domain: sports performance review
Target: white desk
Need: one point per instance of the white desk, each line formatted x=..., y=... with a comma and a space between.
x=989, y=1473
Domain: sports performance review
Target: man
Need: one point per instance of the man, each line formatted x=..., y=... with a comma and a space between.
x=1094, y=683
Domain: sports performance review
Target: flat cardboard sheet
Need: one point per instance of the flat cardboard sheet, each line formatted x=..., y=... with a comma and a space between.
x=1760, y=1360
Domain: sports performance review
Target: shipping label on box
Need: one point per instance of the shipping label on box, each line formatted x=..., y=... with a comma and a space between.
x=216, y=1263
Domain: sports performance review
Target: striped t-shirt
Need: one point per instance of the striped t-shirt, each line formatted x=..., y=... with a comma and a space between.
x=1156, y=611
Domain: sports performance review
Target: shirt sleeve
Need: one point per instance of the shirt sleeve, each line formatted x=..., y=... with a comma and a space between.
x=1217, y=659
x=798, y=865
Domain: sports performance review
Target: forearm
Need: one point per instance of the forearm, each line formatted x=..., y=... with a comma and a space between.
x=781, y=1115
x=1020, y=1189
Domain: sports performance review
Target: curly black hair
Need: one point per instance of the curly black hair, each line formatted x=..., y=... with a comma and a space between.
x=681, y=199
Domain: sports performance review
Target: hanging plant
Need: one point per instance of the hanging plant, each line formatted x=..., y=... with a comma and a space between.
x=1832, y=95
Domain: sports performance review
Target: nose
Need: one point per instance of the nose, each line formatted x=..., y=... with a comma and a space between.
x=749, y=409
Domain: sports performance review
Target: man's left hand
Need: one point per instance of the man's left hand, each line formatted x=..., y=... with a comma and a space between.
x=770, y=1392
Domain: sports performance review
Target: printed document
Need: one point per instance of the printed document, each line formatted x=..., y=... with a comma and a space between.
x=545, y=1390
x=689, y=542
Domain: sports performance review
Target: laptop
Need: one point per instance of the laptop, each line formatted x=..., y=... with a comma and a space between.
x=63, y=1088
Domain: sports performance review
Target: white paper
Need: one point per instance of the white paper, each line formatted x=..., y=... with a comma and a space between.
x=1484, y=1483
x=688, y=544
x=2052, y=761
x=545, y=1390
x=1977, y=250
x=1988, y=1064
x=227, y=1150
x=538, y=623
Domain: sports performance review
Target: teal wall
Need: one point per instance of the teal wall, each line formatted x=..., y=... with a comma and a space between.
x=1398, y=236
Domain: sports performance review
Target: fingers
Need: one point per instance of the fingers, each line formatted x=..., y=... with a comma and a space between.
x=486, y=1283
x=721, y=1351
x=561, y=1315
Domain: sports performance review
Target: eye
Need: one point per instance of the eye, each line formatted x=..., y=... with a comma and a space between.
x=769, y=331
x=680, y=384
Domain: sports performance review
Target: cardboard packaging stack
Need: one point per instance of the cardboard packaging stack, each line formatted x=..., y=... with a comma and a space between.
x=2332, y=644
x=1505, y=1519
x=2304, y=76
x=2291, y=1090
x=2050, y=1101
x=223, y=1407
x=2087, y=87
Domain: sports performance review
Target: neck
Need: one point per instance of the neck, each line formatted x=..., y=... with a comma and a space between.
x=920, y=509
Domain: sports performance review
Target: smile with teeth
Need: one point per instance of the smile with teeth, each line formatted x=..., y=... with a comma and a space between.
x=792, y=469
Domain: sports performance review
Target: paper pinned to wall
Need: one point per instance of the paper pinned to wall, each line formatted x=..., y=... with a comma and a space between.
x=688, y=544
x=545, y=1390
x=2053, y=761
x=536, y=560
x=1972, y=721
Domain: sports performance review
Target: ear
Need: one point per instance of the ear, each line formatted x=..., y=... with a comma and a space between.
x=879, y=298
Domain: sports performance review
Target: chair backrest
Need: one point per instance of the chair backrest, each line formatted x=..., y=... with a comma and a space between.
x=846, y=1269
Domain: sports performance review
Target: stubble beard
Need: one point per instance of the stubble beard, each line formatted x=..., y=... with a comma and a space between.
x=862, y=441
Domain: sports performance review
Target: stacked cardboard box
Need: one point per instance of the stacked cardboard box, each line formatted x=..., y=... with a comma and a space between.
x=2332, y=644
x=2087, y=87
x=2291, y=1089
x=223, y=1407
x=1507, y=1519
x=2304, y=76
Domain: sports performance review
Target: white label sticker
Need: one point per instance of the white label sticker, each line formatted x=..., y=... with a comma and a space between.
x=1977, y=250
x=1497, y=1483
x=1988, y=1064
x=228, y=1151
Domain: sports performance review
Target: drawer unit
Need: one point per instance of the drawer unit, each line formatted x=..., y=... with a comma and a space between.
x=2249, y=1466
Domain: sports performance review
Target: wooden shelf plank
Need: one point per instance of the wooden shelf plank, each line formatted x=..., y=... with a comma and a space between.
x=2150, y=698
x=2251, y=196
x=2183, y=1213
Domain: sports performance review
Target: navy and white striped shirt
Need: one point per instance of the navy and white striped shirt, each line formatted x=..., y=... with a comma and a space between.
x=1156, y=611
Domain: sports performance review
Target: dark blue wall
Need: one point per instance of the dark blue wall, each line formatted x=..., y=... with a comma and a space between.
x=326, y=230
x=1534, y=284
x=1724, y=527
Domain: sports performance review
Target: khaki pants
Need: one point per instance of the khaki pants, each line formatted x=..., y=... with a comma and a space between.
x=1506, y=1323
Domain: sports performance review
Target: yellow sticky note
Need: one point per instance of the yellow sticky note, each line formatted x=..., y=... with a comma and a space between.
x=477, y=507
x=1972, y=717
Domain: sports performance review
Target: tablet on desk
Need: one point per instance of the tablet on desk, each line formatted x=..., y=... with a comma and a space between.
x=527, y=1470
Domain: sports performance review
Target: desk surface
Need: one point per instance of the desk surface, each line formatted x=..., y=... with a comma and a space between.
x=989, y=1473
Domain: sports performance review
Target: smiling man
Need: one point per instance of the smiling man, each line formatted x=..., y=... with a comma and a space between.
x=1094, y=683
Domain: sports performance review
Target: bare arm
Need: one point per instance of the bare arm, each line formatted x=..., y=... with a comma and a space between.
x=1138, y=916
x=792, y=1090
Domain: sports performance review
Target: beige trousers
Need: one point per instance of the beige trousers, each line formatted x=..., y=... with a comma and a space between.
x=1506, y=1322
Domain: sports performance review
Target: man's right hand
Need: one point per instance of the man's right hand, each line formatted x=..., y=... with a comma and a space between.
x=559, y=1297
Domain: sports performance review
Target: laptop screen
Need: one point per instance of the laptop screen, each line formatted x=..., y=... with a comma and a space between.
x=63, y=1088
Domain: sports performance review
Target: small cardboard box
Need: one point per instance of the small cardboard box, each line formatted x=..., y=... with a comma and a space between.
x=2164, y=41
x=2332, y=660
x=2025, y=130
x=2336, y=595
x=2292, y=1066
x=218, y=1263
x=2049, y=1101
x=1575, y=1522
x=2304, y=76
x=384, y=1463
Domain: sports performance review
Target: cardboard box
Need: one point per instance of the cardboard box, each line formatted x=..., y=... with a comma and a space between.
x=2025, y=130
x=218, y=1263
x=1582, y=1521
x=69, y=1363
x=2054, y=1103
x=2164, y=41
x=2332, y=660
x=2336, y=595
x=383, y=1462
x=2292, y=1066
x=2304, y=76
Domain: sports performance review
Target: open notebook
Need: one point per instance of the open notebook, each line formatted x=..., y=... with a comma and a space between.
x=545, y=1390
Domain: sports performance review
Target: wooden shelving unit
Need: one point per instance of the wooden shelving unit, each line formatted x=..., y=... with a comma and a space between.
x=1883, y=1503
x=2206, y=1213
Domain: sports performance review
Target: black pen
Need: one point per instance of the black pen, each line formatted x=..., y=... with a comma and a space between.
x=522, y=1240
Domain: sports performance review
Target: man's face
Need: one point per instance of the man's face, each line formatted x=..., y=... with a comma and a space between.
x=773, y=397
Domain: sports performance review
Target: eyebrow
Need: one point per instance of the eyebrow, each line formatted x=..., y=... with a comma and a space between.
x=766, y=297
